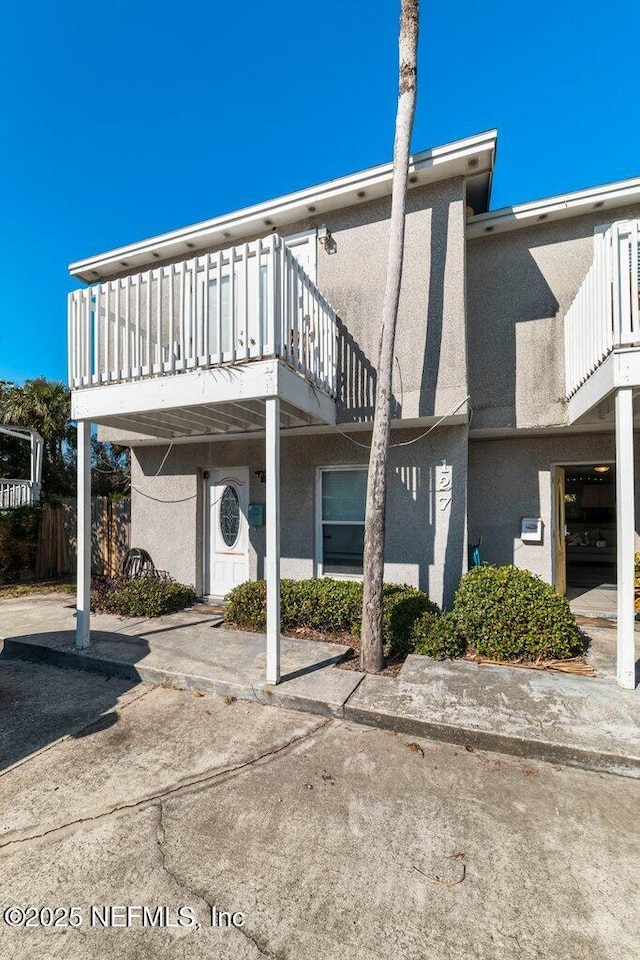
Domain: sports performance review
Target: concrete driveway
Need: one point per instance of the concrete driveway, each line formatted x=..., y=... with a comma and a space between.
x=333, y=840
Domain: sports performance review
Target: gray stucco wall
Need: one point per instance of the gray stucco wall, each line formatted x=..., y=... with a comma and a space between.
x=519, y=287
x=426, y=546
x=512, y=478
x=430, y=372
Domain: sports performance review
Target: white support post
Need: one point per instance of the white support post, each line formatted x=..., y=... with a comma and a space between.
x=625, y=519
x=33, y=461
x=273, y=538
x=35, y=476
x=83, y=610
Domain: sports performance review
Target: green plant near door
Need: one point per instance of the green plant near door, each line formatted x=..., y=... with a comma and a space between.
x=506, y=613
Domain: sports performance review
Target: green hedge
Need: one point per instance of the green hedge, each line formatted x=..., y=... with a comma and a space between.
x=506, y=613
x=144, y=596
x=329, y=606
x=401, y=608
x=438, y=637
x=502, y=612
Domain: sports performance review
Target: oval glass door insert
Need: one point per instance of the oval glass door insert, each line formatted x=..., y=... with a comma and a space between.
x=229, y=516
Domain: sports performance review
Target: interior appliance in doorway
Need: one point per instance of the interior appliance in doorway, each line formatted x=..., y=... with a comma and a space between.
x=589, y=524
x=227, y=530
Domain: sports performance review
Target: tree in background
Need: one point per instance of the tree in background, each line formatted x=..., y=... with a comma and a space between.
x=110, y=469
x=45, y=405
x=15, y=458
x=374, y=532
x=15, y=454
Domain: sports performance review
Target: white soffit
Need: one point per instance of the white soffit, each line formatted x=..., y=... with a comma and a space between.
x=463, y=158
x=607, y=197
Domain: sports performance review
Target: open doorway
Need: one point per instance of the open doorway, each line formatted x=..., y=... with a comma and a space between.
x=590, y=541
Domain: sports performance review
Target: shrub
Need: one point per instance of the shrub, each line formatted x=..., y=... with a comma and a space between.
x=247, y=605
x=332, y=606
x=509, y=614
x=438, y=637
x=139, y=597
x=401, y=608
x=18, y=541
x=329, y=606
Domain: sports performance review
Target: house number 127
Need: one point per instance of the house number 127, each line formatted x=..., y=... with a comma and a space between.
x=443, y=485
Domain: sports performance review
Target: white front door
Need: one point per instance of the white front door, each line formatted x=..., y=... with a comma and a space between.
x=227, y=541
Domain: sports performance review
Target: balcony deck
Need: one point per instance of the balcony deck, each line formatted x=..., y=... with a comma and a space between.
x=18, y=493
x=602, y=325
x=195, y=347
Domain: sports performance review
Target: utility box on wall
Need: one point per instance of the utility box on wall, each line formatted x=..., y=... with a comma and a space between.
x=531, y=530
x=255, y=515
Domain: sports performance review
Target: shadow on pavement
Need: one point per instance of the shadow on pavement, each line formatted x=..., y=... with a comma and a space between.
x=40, y=703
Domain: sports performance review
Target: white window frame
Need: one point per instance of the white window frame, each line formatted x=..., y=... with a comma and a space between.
x=320, y=522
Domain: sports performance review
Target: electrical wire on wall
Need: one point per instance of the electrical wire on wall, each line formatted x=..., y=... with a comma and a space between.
x=357, y=443
x=225, y=480
x=407, y=443
x=164, y=460
x=156, y=474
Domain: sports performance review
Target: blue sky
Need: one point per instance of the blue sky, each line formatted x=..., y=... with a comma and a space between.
x=125, y=119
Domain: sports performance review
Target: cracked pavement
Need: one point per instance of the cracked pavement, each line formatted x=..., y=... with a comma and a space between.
x=334, y=840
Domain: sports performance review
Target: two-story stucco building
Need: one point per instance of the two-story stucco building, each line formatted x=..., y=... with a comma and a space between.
x=237, y=358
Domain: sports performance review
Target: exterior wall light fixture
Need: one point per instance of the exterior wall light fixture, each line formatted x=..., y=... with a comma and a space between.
x=325, y=238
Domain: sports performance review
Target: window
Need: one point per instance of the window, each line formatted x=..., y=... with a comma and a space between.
x=230, y=515
x=342, y=495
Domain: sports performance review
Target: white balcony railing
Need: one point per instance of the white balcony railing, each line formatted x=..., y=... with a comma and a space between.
x=250, y=302
x=605, y=312
x=17, y=493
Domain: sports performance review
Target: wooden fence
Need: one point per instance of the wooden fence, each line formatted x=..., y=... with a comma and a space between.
x=56, y=550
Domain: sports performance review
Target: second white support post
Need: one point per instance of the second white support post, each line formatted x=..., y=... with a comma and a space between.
x=83, y=576
x=625, y=520
x=273, y=538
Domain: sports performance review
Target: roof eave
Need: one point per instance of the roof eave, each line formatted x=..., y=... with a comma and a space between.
x=471, y=156
x=606, y=197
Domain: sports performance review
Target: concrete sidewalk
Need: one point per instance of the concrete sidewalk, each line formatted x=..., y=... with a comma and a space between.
x=578, y=721
x=601, y=602
x=584, y=722
x=188, y=650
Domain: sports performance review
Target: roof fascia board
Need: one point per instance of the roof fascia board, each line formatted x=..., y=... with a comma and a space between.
x=560, y=207
x=430, y=166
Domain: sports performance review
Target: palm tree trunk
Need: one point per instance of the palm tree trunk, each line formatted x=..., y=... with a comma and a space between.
x=374, y=528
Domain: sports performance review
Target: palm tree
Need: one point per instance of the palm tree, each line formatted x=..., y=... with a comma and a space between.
x=44, y=405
